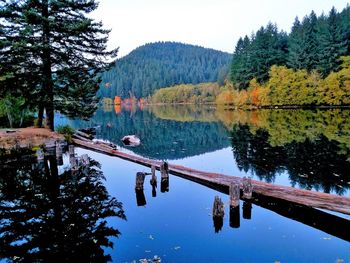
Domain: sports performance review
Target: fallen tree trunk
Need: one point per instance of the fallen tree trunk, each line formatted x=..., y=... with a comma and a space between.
x=303, y=197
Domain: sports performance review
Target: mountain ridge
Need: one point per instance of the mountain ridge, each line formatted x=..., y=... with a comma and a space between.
x=161, y=64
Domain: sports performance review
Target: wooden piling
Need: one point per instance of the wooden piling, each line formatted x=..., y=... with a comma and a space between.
x=164, y=170
x=140, y=179
x=247, y=187
x=247, y=210
x=234, y=194
x=59, y=154
x=313, y=199
x=234, y=217
x=218, y=214
x=153, y=181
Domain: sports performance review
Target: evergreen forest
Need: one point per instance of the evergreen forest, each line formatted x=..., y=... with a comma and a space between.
x=162, y=64
x=314, y=44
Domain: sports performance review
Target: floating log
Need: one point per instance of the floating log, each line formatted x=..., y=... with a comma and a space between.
x=222, y=182
x=83, y=134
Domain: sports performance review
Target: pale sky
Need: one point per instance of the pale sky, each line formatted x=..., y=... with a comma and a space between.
x=214, y=24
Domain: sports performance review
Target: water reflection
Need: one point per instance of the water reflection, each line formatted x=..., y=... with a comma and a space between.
x=310, y=147
x=169, y=137
x=52, y=216
x=319, y=164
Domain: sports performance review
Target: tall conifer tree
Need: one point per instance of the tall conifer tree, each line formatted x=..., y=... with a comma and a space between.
x=53, y=53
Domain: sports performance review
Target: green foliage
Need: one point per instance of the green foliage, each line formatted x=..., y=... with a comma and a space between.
x=163, y=64
x=316, y=43
x=201, y=93
x=14, y=109
x=51, y=53
x=67, y=131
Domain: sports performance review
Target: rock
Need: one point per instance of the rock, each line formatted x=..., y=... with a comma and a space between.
x=131, y=140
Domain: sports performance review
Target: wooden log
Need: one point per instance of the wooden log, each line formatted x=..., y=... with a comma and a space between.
x=140, y=179
x=247, y=188
x=234, y=194
x=219, y=181
x=84, y=135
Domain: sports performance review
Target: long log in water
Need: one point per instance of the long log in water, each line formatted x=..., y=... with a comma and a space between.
x=303, y=197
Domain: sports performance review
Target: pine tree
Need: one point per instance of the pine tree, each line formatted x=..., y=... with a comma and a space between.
x=332, y=45
x=54, y=52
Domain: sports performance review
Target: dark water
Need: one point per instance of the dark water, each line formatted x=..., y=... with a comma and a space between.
x=49, y=214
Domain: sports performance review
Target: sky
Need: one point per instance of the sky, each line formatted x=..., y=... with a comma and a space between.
x=216, y=24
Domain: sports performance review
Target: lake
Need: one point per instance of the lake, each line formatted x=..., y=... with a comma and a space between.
x=70, y=209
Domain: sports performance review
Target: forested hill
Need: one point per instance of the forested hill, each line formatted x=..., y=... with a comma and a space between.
x=163, y=64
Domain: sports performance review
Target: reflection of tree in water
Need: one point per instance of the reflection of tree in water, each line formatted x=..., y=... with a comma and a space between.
x=320, y=164
x=51, y=217
x=160, y=138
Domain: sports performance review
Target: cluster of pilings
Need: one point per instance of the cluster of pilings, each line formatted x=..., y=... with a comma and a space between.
x=235, y=195
x=140, y=180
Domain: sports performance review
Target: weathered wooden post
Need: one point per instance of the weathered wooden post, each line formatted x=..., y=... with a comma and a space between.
x=247, y=187
x=234, y=194
x=164, y=173
x=140, y=179
x=247, y=210
x=153, y=181
x=218, y=214
x=59, y=153
x=164, y=170
x=234, y=217
x=234, y=205
x=140, y=196
x=72, y=159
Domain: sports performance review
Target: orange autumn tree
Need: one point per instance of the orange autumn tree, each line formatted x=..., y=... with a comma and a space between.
x=117, y=100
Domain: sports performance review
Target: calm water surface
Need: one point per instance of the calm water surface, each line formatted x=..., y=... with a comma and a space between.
x=304, y=149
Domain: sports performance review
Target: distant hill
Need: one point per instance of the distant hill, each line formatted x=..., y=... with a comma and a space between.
x=163, y=64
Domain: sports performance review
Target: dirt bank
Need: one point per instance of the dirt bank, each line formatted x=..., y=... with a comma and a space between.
x=25, y=137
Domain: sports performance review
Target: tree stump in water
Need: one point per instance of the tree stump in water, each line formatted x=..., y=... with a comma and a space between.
x=247, y=210
x=140, y=179
x=153, y=181
x=164, y=174
x=59, y=153
x=164, y=170
x=234, y=217
x=218, y=214
x=234, y=194
x=247, y=188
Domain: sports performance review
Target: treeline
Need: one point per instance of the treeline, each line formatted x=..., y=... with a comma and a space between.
x=163, y=64
x=314, y=44
x=187, y=93
x=290, y=87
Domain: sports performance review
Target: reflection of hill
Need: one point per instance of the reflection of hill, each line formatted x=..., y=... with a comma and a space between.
x=203, y=113
x=160, y=138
